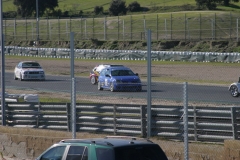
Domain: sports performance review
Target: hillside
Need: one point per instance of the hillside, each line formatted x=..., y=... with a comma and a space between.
x=155, y=7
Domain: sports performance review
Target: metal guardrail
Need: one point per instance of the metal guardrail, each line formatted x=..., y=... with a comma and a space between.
x=207, y=124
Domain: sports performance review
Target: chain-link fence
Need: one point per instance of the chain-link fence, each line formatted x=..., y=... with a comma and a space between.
x=174, y=26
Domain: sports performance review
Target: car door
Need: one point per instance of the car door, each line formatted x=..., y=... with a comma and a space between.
x=54, y=153
x=77, y=152
x=18, y=70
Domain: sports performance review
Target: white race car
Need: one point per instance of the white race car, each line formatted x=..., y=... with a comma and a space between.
x=29, y=70
x=234, y=88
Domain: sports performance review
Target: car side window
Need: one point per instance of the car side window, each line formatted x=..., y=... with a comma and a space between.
x=55, y=153
x=102, y=73
x=77, y=153
x=19, y=65
x=104, y=154
x=108, y=72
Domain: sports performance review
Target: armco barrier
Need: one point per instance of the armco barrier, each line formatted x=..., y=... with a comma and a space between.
x=125, y=54
x=206, y=124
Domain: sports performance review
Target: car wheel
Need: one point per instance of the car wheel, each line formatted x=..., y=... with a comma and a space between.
x=21, y=77
x=15, y=78
x=99, y=86
x=93, y=80
x=112, y=88
x=139, y=89
x=234, y=91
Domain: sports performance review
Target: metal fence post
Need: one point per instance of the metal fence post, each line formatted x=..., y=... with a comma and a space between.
x=38, y=113
x=157, y=27
x=93, y=28
x=230, y=28
x=67, y=29
x=143, y=121
x=195, y=123
x=118, y=29
x=123, y=31
x=68, y=108
x=200, y=26
x=234, y=123
x=149, y=96
x=15, y=32
x=26, y=27
x=131, y=27
x=73, y=85
x=104, y=27
x=171, y=26
x=85, y=28
x=185, y=26
x=237, y=30
x=185, y=119
x=114, y=120
x=48, y=28
x=58, y=28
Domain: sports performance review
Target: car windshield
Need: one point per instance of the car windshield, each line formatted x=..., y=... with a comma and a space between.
x=122, y=73
x=140, y=153
x=31, y=65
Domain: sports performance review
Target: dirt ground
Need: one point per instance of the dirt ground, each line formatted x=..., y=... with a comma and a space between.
x=192, y=72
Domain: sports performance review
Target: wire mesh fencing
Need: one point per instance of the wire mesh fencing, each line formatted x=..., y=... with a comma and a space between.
x=174, y=26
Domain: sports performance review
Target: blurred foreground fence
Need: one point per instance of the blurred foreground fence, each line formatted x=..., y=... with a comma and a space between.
x=207, y=124
x=173, y=26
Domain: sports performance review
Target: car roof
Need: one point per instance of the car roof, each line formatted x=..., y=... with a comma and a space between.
x=111, y=141
x=28, y=62
x=118, y=67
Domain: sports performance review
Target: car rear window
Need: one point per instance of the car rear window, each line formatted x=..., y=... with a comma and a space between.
x=153, y=152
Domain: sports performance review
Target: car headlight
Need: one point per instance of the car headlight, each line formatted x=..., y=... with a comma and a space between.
x=41, y=72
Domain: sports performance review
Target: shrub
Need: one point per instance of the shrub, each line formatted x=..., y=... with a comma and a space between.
x=98, y=10
x=134, y=7
x=117, y=7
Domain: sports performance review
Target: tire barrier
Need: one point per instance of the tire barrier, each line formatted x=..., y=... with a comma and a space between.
x=125, y=54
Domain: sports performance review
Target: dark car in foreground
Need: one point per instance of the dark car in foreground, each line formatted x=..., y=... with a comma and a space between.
x=108, y=148
x=119, y=78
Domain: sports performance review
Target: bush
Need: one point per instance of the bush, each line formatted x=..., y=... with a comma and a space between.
x=134, y=7
x=98, y=10
x=117, y=7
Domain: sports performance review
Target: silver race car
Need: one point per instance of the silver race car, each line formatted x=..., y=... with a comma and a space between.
x=234, y=88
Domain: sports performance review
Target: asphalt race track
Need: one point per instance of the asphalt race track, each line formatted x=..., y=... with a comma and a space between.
x=169, y=91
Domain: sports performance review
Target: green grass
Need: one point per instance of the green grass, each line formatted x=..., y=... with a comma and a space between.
x=86, y=6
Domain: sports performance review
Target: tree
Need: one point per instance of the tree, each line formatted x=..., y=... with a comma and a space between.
x=226, y=2
x=28, y=7
x=212, y=4
x=134, y=7
x=117, y=7
x=98, y=10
